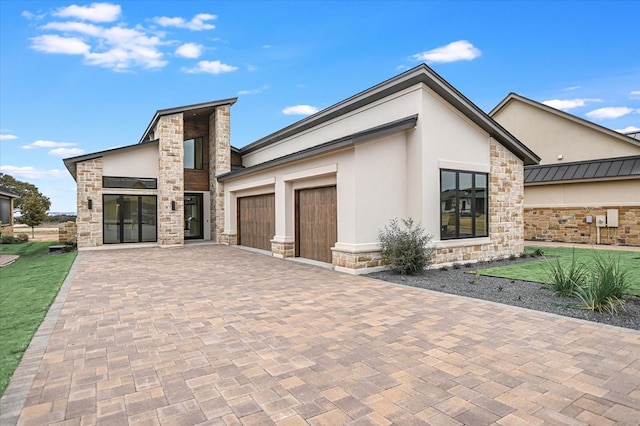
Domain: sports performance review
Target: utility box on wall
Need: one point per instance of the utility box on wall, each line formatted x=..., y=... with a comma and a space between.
x=612, y=218
x=601, y=221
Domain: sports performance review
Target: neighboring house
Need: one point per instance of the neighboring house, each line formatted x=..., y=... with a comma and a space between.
x=6, y=211
x=587, y=186
x=321, y=188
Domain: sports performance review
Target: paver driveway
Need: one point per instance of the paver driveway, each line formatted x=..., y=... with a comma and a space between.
x=220, y=335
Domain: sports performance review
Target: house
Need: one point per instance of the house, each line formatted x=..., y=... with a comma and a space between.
x=586, y=188
x=6, y=211
x=321, y=188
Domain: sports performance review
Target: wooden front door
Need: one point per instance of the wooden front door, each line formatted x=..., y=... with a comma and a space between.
x=256, y=221
x=316, y=223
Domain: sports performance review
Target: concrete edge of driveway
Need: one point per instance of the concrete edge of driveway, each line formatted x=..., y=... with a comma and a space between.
x=15, y=395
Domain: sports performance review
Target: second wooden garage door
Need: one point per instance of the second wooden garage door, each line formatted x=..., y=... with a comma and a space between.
x=256, y=221
x=316, y=223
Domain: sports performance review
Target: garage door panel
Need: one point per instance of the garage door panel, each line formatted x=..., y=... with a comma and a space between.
x=317, y=223
x=256, y=221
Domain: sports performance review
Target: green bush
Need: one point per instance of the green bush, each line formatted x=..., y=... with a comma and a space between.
x=10, y=240
x=564, y=281
x=406, y=248
x=606, y=286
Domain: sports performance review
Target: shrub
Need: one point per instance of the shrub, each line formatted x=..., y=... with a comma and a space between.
x=538, y=252
x=405, y=248
x=10, y=240
x=606, y=286
x=564, y=281
x=23, y=237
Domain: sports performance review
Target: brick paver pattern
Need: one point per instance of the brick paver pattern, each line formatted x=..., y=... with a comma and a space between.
x=218, y=335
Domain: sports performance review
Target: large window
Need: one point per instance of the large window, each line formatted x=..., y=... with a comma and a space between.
x=193, y=154
x=463, y=204
x=5, y=211
x=129, y=218
x=129, y=182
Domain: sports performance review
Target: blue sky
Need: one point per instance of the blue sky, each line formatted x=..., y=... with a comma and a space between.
x=79, y=77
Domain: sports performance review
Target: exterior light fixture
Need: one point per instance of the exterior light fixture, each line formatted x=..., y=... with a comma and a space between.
x=173, y=205
x=89, y=203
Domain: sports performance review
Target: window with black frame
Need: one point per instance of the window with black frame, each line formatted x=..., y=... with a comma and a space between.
x=193, y=154
x=464, y=204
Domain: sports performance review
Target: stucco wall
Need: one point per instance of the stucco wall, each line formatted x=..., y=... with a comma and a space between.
x=141, y=162
x=550, y=135
x=581, y=194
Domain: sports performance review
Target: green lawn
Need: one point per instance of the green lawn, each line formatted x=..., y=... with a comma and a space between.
x=27, y=289
x=537, y=271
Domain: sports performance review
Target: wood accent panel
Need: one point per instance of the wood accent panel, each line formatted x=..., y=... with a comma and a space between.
x=195, y=127
x=316, y=223
x=257, y=221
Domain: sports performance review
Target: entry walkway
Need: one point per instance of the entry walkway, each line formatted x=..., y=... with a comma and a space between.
x=216, y=335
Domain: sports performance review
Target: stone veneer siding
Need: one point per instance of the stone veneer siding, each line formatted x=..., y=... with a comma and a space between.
x=567, y=224
x=506, y=212
x=89, y=179
x=283, y=250
x=357, y=261
x=170, y=132
x=219, y=163
x=68, y=232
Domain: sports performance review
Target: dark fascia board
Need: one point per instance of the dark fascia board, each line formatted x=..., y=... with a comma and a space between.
x=419, y=74
x=70, y=163
x=514, y=96
x=587, y=165
x=4, y=191
x=162, y=112
x=334, y=145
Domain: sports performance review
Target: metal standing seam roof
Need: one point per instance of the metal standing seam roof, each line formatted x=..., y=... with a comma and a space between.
x=606, y=168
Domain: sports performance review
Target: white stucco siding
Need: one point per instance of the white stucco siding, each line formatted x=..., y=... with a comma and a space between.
x=380, y=186
x=141, y=162
x=399, y=105
x=449, y=141
x=551, y=136
x=583, y=194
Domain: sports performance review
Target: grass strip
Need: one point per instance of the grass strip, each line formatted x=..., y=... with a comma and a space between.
x=28, y=287
x=537, y=270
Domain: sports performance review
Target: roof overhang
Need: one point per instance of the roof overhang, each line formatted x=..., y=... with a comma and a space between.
x=5, y=192
x=204, y=108
x=603, y=169
x=422, y=74
x=351, y=140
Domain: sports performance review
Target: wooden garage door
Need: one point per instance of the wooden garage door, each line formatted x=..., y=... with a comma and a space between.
x=316, y=223
x=256, y=221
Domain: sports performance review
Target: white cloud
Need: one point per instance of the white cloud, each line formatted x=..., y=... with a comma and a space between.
x=300, y=110
x=628, y=129
x=47, y=144
x=266, y=46
x=569, y=103
x=460, y=50
x=609, y=113
x=210, y=67
x=117, y=47
x=254, y=91
x=32, y=16
x=189, y=50
x=197, y=23
x=635, y=93
x=55, y=44
x=28, y=172
x=8, y=137
x=75, y=27
x=66, y=152
x=95, y=12
x=572, y=88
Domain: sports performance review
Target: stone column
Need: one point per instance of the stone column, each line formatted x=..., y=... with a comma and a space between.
x=89, y=178
x=219, y=163
x=170, y=132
